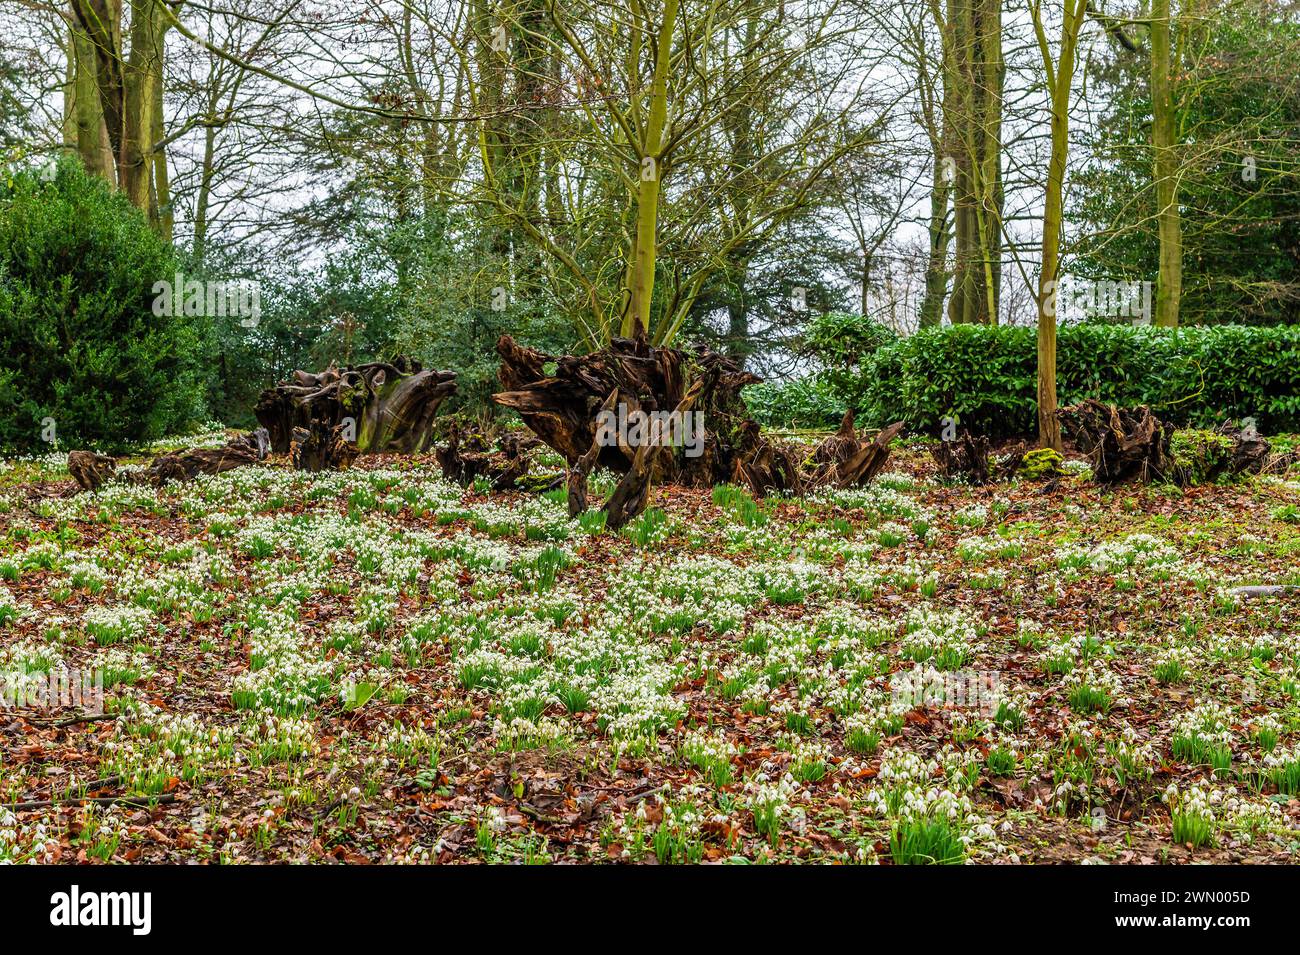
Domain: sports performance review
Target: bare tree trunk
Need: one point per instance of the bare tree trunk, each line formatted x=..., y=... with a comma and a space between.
x=940, y=234
x=1169, y=284
x=641, y=267
x=974, y=112
x=1060, y=81
x=82, y=107
x=162, y=188
x=128, y=89
x=206, y=173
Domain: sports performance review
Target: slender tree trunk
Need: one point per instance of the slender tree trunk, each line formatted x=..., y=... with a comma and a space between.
x=991, y=197
x=142, y=73
x=974, y=112
x=204, y=195
x=940, y=128
x=642, y=278
x=940, y=234
x=1049, y=427
x=1169, y=282
x=162, y=187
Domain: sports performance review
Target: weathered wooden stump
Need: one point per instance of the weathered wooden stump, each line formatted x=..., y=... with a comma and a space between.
x=569, y=402
x=1121, y=444
x=964, y=459
x=91, y=470
x=322, y=448
x=383, y=406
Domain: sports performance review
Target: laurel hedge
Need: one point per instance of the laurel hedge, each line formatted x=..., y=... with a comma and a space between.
x=987, y=376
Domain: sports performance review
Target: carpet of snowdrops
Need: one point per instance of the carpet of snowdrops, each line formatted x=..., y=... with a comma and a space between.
x=376, y=665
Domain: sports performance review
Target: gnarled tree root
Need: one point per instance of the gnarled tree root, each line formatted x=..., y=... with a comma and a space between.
x=564, y=401
x=1121, y=444
x=383, y=406
x=91, y=471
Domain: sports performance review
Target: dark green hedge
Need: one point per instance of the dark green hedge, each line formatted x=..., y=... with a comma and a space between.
x=987, y=376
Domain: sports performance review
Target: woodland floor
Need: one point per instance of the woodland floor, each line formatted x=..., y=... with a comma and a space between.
x=376, y=666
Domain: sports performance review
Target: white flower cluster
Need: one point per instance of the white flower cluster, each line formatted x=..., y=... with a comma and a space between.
x=1210, y=722
x=1135, y=552
x=115, y=624
x=287, y=673
x=702, y=747
x=1197, y=802
x=10, y=607
x=774, y=798
x=948, y=636
x=25, y=842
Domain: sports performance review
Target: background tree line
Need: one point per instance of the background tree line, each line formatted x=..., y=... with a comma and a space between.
x=789, y=182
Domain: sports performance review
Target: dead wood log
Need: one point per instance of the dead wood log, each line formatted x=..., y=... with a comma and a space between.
x=248, y=448
x=1265, y=590
x=468, y=455
x=1121, y=444
x=862, y=466
x=322, y=447
x=580, y=470
x=630, y=496
x=1249, y=453
x=1226, y=452
x=510, y=467
x=386, y=406
x=764, y=465
x=965, y=459
x=561, y=400
x=90, y=470
x=460, y=458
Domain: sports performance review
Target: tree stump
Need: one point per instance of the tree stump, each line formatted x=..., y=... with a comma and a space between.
x=92, y=470
x=383, y=406
x=965, y=459
x=561, y=400
x=1121, y=444
x=580, y=470
x=322, y=448
x=630, y=497
x=1250, y=452
x=467, y=456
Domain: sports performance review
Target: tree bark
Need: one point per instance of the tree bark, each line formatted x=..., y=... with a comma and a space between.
x=641, y=266
x=561, y=399
x=383, y=407
x=125, y=82
x=1060, y=81
x=973, y=115
x=91, y=471
x=1169, y=281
